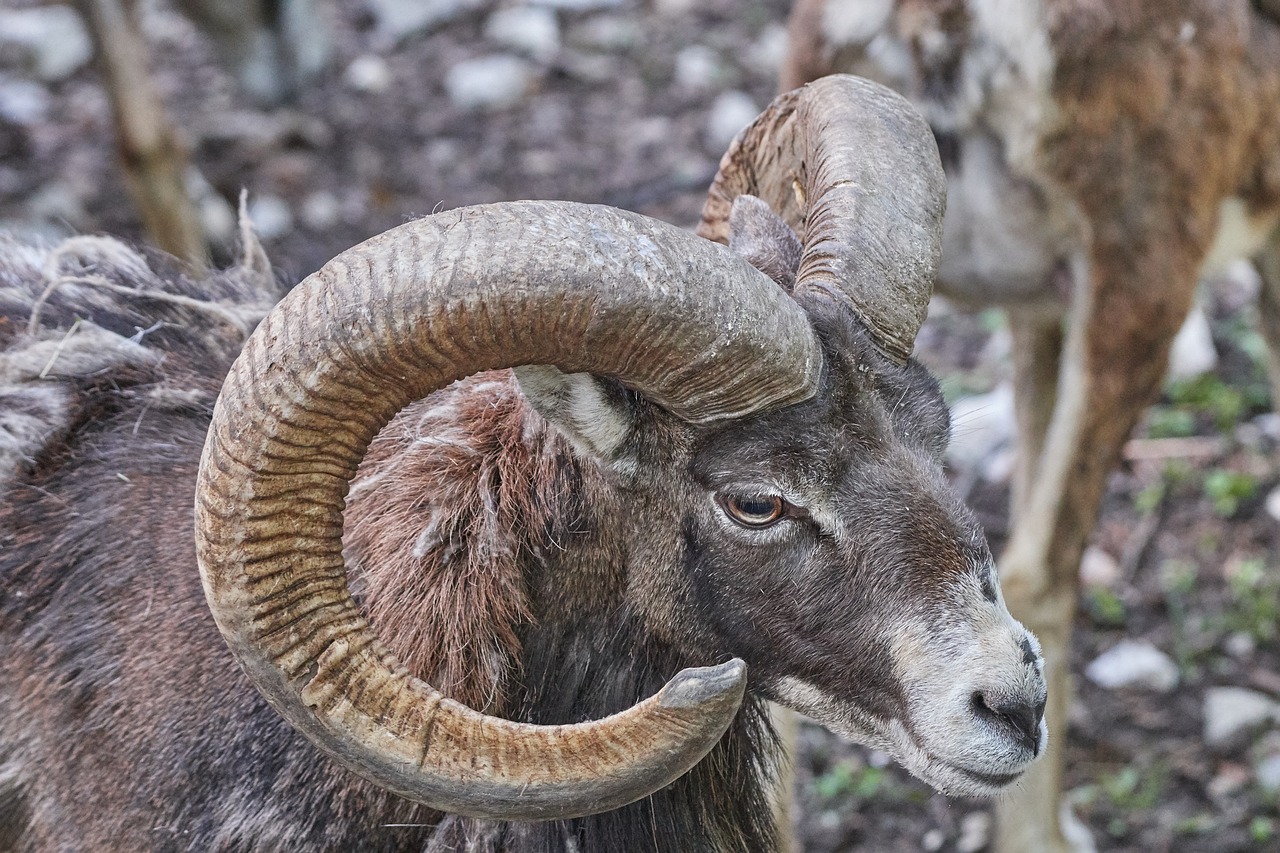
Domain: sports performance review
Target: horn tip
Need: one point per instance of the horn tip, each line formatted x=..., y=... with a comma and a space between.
x=700, y=686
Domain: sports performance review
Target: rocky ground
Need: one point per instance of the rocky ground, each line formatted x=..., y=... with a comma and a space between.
x=430, y=104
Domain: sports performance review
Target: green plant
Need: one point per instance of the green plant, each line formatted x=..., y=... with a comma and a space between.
x=1170, y=422
x=1207, y=394
x=1196, y=824
x=1255, y=599
x=1148, y=499
x=1226, y=489
x=845, y=778
x=1261, y=829
x=1133, y=789
x=1104, y=607
x=1178, y=580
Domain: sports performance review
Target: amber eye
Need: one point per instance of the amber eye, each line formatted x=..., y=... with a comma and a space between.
x=754, y=510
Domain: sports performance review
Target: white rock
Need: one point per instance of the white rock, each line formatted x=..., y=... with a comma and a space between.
x=611, y=33
x=400, y=19
x=489, y=82
x=1240, y=644
x=368, y=73
x=933, y=840
x=1192, y=352
x=730, y=112
x=855, y=23
x=697, y=67
x=54, y=37
x=1098, y=568
x=271, y=216
x=1273, y=503
x=770, y=49
x=1133, y=663
x=1267, y=773
x=531, y=30
x=1231, y=712
x=672, y=8
x=975, y=832
x=217, y=216
x=23, y=102
x=578, y=5
x=321, y=210
x=1269, y=424
x=57, y=201
x=982, y=428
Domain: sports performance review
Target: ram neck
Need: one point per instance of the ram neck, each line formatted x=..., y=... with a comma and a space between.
x=471, y=513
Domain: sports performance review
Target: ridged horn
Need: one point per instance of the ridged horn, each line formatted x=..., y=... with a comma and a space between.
x=585, y=288
x=854, y=170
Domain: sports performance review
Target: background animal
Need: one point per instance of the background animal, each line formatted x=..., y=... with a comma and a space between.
x=1101, y=159
x=748, y=466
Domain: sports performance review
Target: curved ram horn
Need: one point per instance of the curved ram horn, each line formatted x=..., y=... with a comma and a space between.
x=854, y=169
x=585, y=288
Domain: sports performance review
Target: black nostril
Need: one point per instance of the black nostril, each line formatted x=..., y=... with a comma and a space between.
x=1018, y=716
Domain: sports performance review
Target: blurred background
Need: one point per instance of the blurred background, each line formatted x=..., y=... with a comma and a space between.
x=371, y=112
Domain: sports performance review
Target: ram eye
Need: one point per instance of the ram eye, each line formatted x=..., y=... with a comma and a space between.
x=754, y=510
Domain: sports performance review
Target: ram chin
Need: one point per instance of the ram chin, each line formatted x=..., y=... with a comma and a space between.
x=893, y=738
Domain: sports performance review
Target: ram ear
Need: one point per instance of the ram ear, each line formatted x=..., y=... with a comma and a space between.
x=596, y=414
x=765, y=240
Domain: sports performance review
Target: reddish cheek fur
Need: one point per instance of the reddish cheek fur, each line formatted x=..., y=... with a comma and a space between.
x=452, y=611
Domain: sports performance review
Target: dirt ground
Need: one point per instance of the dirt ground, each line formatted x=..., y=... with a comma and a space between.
x=1186, y=554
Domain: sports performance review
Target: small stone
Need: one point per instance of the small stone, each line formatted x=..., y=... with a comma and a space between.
x=975, y=832
x=1273, y=503
x=1192, y=352
x=578, y=5
x=57, y=201
x=1229, y=779
x=697, y=67
x=769, y=50
x=23, y=102
x=933, y=840
x=1240, y=644
x=1231, y=713
x=730, y=112
x=271, y=216
x=673, y=8
x=1269, y=424
x=368, y=73
x=400, y=19
x=608, y=33
x=1098, y=568
x=54, y=37
x=489, y=82
x=321, y=210
x=984, y=428
x=1134, y=663
x=1267, y=773
x=855, y=23
x=217, y=217
x=531, y=30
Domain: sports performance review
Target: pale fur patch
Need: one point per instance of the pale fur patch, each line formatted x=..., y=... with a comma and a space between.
x=844, y=22
x=1241, y=234
x=942, y=664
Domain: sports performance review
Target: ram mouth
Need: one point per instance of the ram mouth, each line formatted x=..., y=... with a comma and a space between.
x=989, y=780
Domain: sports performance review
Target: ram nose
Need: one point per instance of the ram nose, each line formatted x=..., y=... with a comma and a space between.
x=1018, y=717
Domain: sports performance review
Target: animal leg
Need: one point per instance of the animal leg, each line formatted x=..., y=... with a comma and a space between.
x=784, y=787
x=1268, y=263
x=1037, y=346
x=1113, y=360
